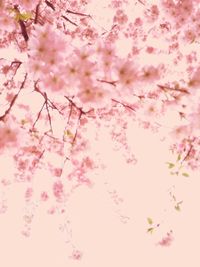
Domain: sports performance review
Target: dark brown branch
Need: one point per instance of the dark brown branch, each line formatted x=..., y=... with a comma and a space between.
x=14, y=99
x=109, y=82
x=50, y=5
x=124, y=105
x=36, y=13
x=64, y=17
x=77, y=13
x=51, y=104
x=46, y=100
x=79, y=118
x=48, y=113
x=164, y=87
x=23, y=30
x=187, y=155
x=16, y=62
x=73, y=104
x=70, y=113
x=38, y=116
x=39, y=158
x=81, y=112
x=22, y=25
x=141, y=2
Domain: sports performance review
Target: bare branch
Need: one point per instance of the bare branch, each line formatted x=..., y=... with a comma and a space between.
x=77, y=13
x=64, y=17
x=124, y=105
x=50, y=5
x=22, y=25
x=14, y=99
x=36, y=13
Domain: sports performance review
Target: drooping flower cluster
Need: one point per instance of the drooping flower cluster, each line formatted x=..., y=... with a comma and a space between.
x=8, y=136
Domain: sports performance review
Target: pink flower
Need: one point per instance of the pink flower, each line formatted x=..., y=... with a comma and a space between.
x=76, y=255
x=180, y=132
x=195, y=78
x=91, y=96
x=71, y=73
x=7, y=22
x=58, y=190
x=120, y=17
x=166, y=241
x=150, y=49
x=44, y=196
x=149, y=74
x=57, y=172
x=27, y=4
x=87, y=71
x=153, y=109
x=53, y=82
x=88, y=163
x=47, y=50
x=126, y=73
x=83, y=54
x=8, y=136
x=28, y=193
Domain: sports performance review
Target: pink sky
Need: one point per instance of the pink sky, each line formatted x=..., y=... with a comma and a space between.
x=107, y=233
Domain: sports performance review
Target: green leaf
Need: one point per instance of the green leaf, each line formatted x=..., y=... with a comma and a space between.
x=170, y=165
x=150, y=221
x=150, y=230
x=179, y=157
x=185, y=174
x=177, y=207
x=23, y=16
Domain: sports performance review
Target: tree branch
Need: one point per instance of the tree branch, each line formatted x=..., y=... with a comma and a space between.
x=14, y=99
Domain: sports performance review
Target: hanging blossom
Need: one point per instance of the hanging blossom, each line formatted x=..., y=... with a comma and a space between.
x=167, y=240
x=8, y=136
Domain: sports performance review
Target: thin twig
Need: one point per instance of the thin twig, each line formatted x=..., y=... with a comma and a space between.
x=163, y=87
x=78, y=123
x=187, y=155
x=14, y=99
x=64, y=17
x=36, y=13
x=50, y=5
x=39, y=115
x=48, y=113
x=124, y=105
x=109, y=82
x=22, y=25
x=77, y=13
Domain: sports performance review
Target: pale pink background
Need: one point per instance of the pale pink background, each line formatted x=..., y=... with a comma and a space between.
x=99, y=230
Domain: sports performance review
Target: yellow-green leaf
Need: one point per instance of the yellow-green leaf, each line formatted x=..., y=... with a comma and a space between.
x=150, y=221
x=179, y=157
x=177, y=207
x=23, y=16
x=170, y=165
x=150, y=230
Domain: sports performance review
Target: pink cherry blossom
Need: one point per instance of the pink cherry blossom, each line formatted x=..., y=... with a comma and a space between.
x=76, y=255
x=27, y=4
x=44, y=196
x=8, y=136
x=58, y=190
x=166, y=241
x=126, y=74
